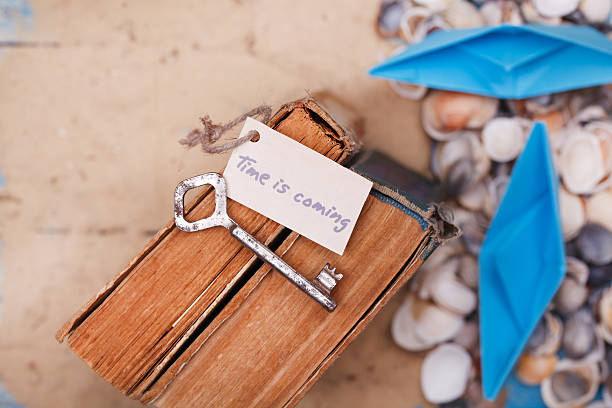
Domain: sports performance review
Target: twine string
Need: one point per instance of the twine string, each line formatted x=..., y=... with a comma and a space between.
x=212, y=132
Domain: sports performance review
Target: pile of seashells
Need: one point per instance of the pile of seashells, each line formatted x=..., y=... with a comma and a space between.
x=476, y=140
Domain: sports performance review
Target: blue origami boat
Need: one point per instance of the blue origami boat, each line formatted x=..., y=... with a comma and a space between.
x=522, y=261
x=509, y=62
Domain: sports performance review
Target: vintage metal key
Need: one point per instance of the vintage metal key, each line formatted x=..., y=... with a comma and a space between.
x=321, y=286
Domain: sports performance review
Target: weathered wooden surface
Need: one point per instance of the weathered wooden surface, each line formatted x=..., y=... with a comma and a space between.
x=97, y=120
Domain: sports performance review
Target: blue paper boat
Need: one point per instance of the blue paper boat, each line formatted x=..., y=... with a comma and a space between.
x=522, y=261
x=510, y=62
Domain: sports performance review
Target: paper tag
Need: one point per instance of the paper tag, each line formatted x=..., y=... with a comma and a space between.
x=296, y=187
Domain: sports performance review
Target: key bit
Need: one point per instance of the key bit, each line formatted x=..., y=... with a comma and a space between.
x=327, y=279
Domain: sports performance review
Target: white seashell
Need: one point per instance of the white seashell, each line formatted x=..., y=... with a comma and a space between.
x=599, y=208
x=451, y=294
x=555, y=8
x=414, y=24
x=583, y=165
x=408, y=91
x=573, y=217
x=533, y=370
x=445, y=373
x=433, y=324
x=498, y=12
x=474, y=197
x=433, y=5
x=442, y=271
x=595, y=10
x=444, y=113
x=468, y=270
x=442, y=255
x=462, y=14
x=504, y=138
x=577, y=270
x=573, y=384
x=532, y=15
x=402, y=328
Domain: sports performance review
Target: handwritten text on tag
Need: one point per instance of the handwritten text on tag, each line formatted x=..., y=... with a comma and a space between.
x=296, y=187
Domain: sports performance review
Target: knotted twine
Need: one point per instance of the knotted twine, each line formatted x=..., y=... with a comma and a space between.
x=212, y=132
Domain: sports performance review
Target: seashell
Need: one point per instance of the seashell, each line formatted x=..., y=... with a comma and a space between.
x=573, y=384
x=434, y=324
x=498, y=12
x=468, y=336
x=433, y=275
x=433, y=5
x=474, y=197
x=468, y=270
x=408, y=91
x=596, y=11
x=577, y=269
x=546, y=337
x=604, y=326
x=572, y=213
x=543, y=104
x=402, y=328
x=451, y=294
x=504, y=138
x=589, y=114
x=594, y=244
x=600, y=275
x=583, y=163
x=462, y=14
x=570, y=296
x=579, y=334
x=445, y=373
x=496, y=189
x=598, y=208
x=460, y=163
x=445, y=112
x=555, y=8
x=389, y=18
x=531, y=15
x=533, y=370
x=414, y=24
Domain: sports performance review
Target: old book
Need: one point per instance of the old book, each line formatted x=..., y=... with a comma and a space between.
x=197, y=320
